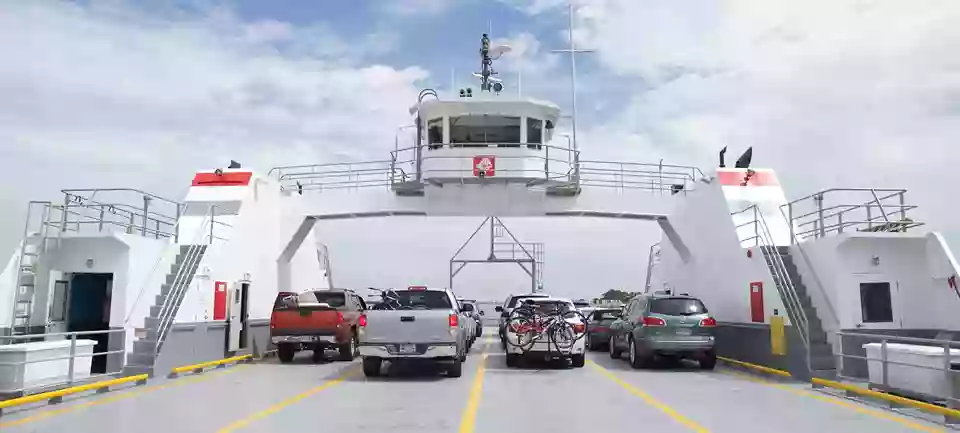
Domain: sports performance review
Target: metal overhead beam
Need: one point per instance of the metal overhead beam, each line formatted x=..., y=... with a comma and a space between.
x=457, y=264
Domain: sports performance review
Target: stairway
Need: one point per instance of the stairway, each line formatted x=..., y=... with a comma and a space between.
x=822, y=362
x=172, y=291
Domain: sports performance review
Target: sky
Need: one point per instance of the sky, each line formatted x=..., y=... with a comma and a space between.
x=140, y=94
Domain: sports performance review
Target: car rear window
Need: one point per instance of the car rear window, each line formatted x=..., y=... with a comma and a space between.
x=518, y=299
x=552, y=306
x=605, y=315
x=333, y=299
x=677, y=306
x=431, y=299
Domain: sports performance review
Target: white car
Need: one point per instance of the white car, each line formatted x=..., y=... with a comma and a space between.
x=544, y=348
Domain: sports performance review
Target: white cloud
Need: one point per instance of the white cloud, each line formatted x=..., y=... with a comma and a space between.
x=831, y=93
x=416, y=7
x=109, y=96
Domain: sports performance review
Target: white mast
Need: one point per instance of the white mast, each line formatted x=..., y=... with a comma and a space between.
x=573, y=73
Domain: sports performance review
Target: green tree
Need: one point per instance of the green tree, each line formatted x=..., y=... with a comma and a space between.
x=618, y=295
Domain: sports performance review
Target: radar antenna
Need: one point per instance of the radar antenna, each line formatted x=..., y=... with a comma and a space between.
x=488, y=81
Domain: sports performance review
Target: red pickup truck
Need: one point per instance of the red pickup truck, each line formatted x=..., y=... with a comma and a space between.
x=316, y=320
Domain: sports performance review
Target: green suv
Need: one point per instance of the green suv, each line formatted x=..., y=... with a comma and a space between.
x=664, y=325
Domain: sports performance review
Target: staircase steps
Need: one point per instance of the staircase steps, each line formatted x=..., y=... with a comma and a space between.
x=820, y=351
x=146, y=347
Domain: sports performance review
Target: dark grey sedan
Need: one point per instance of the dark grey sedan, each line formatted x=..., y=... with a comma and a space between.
x=598, y=327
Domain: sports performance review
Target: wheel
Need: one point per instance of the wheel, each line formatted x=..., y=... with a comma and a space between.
x=455, y=369
x=614, y=351
x=709, y=360
x=463, y=356
x=637, y=360
x=578, y=360
x=371, y=366
x=286, y=352
x=479, y=331
x=513, y=360
x=349, y=349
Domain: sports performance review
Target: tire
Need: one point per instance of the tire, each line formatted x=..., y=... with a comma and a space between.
x=637, y=360
x=286, y=353
x=513, y=360
x=479, y=331
x=456, y=368
x=349, y=349
x=709, y=360
x=578, y=360
x=614, y=351
x=371, y=366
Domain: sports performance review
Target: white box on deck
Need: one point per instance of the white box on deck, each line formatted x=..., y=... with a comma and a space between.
x=914, y=377
x=40, y=369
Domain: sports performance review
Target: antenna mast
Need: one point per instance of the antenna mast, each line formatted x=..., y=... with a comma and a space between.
x=486, y=64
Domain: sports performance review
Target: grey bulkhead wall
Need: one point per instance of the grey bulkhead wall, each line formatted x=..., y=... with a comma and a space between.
x=748, y=342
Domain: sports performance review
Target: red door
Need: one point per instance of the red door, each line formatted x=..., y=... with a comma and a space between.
x=220, y=300
x=756, y=302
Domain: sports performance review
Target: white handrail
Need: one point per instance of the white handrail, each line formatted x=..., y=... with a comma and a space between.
x=181, y=282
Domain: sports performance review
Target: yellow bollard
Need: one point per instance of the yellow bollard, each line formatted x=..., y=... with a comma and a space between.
x=778, y=339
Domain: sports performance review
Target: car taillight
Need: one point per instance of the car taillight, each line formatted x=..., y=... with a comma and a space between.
x=600, y=328
x=363, y=320
x=339, y=317
x=454, y=320
x=653, y=321
x=709, y=322
x=579, y=328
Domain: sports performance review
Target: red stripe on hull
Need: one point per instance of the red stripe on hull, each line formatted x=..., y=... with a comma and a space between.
x=745, y=178
x=234, y=178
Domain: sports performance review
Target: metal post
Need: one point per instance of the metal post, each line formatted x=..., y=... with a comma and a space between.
x=903, y=207
x=156, y=232
x=790, y=222
x=73, y=356
x=840, y=355
x=100, y=225
x=819, y=199
x=419, y=151
x=840, y=223
x=212, y=207
x=492, y=255
x=533, y=276
x=176, y=227
x=756, y=227
x=869, y=217
x=66, y=209
x=146, y=208
x=883, y=363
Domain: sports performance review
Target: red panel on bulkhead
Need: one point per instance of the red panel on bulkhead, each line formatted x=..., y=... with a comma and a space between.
x=745, y=178
x=230, y=178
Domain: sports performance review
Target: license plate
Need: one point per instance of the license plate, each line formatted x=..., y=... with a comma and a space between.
x=408, y=348
x=683, y=331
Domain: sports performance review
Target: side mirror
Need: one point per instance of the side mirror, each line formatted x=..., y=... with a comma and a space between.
x=467, y=308
x=498, y=309
x=481, y=312
x=504, y=314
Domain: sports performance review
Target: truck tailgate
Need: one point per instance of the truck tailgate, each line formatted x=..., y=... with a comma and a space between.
x=408, y=326
x=305, y=321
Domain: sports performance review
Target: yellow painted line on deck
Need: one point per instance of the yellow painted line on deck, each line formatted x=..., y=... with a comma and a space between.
x=672, y=413
x=239, y=424
x=857, y=407
x=117, y=396
x=468, y=420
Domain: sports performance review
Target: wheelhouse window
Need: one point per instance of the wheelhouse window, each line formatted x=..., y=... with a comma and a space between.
x=435, y=133
x=534, y=133
x=480, y=130
x=875, y=302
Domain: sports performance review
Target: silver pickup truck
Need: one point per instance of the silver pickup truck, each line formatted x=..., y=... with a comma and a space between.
x=424, y=325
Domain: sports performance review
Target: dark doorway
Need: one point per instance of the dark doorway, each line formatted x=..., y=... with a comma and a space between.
x=89, y=310
x=244, y=289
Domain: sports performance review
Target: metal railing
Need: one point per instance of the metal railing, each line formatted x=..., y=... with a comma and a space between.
x=204, y=235
x=181, y=283
x=559, y=164
x=856, y=364
x=512, y=251
x=18, y=369
x=781, y=277
x=133, y=209
x=860, y=209
x=753, y=235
